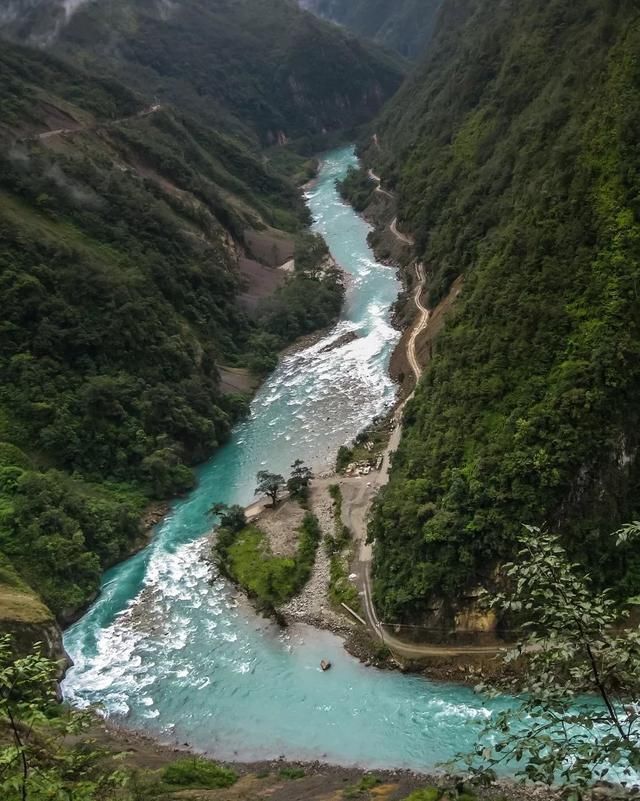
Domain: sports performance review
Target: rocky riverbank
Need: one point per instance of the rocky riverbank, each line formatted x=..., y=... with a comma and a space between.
x=283, y=780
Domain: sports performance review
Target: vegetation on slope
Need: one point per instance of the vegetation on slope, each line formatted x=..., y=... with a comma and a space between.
x=121, y=297
x=406, y=26
x=357, y=188
x=262, y=67
x=514, y=151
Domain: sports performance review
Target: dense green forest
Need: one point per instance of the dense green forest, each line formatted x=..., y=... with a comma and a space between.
x=406, y=26
x=357, y=188
x=515, y=154
x=119, y=244
x=125, y=207
x=259, y=67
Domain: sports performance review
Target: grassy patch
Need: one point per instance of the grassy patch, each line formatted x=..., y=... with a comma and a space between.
x=198, y=772
x=361, y=789
x=341, y=590
x=22, y=607
x=272, y=580
x=426, y=794
x=291, y=773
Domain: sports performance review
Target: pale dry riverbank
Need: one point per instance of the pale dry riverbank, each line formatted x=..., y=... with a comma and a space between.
x=282, y=780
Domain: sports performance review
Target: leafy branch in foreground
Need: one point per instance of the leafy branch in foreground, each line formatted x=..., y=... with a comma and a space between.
x=576, y=676
x=35, y=763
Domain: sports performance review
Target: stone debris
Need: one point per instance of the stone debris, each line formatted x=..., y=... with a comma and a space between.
x=312, y=605
x=362, y=468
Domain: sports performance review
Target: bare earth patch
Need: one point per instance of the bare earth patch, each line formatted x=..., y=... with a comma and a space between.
x=262, y=280
x=280, y=525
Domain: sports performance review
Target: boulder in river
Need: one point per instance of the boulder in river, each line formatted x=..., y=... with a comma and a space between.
x=345, y=339
x=325, y=665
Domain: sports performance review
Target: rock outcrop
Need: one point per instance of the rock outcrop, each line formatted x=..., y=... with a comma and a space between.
x=28, y=621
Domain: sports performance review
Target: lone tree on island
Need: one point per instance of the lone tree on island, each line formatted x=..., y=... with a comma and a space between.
x=301, y=477
x=269, y=484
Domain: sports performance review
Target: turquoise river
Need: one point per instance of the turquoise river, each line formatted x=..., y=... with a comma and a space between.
x=166, y=648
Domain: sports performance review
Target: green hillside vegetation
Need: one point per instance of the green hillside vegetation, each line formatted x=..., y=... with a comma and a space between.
x=260, y=67
x=121, y=296
x=514, y=152
x=406, y=26
x=357, y=188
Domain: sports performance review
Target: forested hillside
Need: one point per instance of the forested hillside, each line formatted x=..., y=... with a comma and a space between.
x=127, y=235
x=515, y=154
x=261, y=67
x=405, y=26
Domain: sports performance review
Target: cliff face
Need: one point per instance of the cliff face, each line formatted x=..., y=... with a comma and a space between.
x=28, y=621
x=514, y=154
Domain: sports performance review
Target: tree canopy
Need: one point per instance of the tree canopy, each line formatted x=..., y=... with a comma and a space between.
x=577, y=675
x=270, y=484
x=514, y=154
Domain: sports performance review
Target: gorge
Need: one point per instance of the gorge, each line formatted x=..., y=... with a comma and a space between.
x=173, y=325
x=168, y=652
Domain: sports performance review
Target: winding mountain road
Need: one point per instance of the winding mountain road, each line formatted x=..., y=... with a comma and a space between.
x=421, y=324
x=359, y=494
x=404, y=238
x=379, y=188
x=146, y=112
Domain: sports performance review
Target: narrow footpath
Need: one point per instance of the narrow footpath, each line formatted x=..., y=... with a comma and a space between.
x=359, y=493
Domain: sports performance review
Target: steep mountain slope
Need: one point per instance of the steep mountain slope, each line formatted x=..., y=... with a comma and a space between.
x=405, y=26
x=260, y=66
x=127, y=231
x=514, y=151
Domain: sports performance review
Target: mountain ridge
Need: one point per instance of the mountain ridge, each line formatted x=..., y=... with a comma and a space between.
x=261, y=69
x=405, y=26
x=512, y=154
x=129, y=234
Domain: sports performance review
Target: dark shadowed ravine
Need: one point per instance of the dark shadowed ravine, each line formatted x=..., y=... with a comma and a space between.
x=166, y=650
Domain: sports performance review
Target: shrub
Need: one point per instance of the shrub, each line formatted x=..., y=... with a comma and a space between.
x=198, y=772
x=292, y=773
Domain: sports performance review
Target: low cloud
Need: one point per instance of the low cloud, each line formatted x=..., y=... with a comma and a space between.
x=81, y=195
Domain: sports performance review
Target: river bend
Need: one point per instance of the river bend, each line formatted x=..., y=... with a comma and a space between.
x=167, y=649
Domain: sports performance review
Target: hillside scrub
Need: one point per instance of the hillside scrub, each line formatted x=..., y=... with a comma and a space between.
x=514, y=154
x=357, y=188
x=121, y=298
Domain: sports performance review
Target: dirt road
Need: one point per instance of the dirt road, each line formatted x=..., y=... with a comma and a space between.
x=76, y=128
x=379, y=188
x=359, y=493
x=421, y=324
x=404, y=238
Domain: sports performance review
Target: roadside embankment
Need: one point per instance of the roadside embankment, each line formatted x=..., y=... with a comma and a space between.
x=414, y=351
